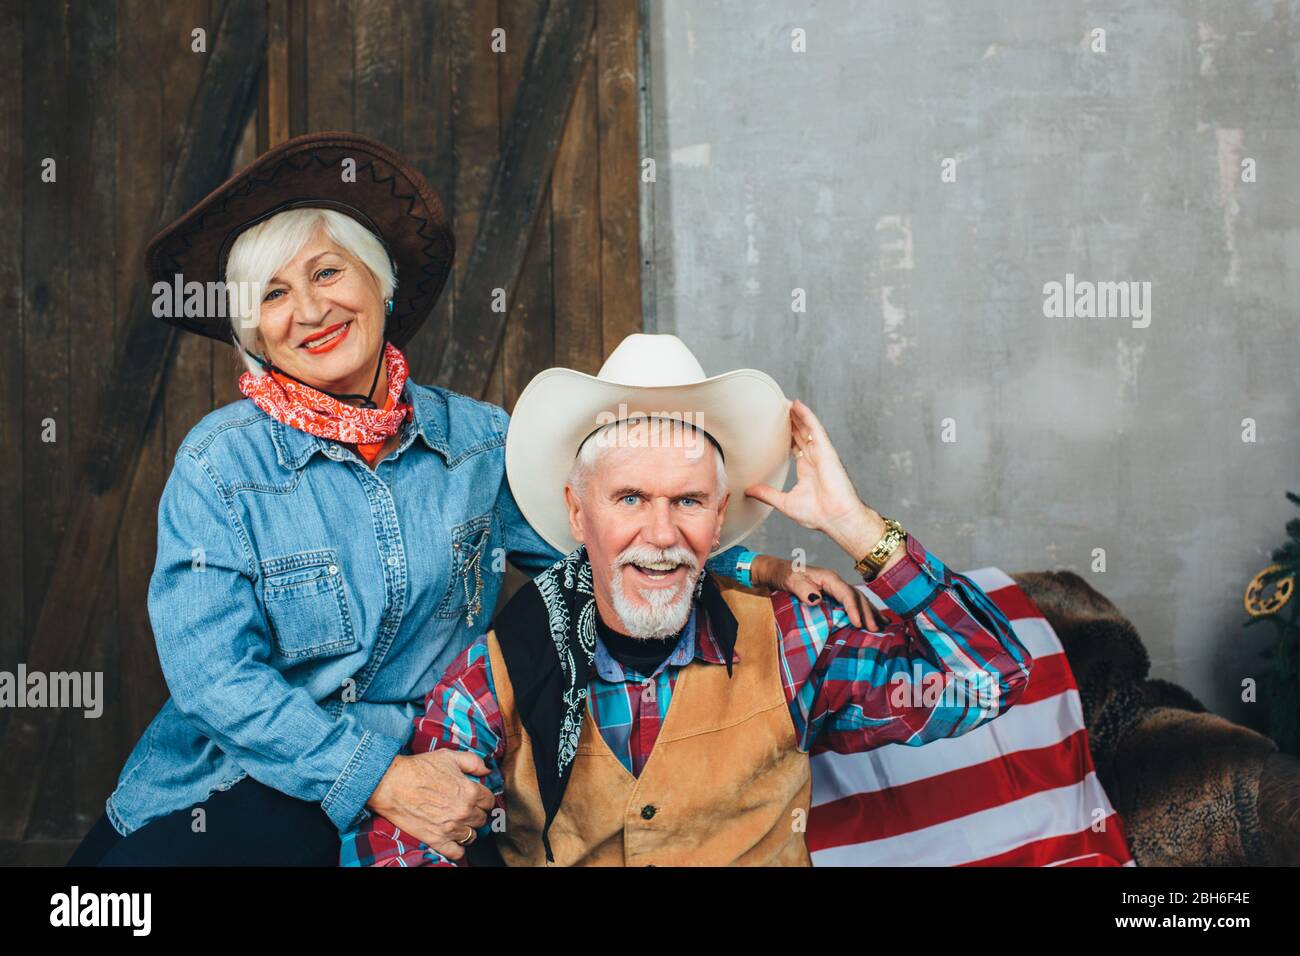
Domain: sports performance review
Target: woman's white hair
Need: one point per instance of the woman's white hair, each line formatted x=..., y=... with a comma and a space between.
x=262, y=250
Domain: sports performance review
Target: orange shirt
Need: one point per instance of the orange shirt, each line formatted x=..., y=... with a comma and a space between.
x=370, y=450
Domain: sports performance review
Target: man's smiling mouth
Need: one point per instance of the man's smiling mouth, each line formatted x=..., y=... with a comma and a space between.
x=657, y=571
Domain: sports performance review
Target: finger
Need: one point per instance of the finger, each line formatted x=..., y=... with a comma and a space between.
x=478, y=796
x=840, y=590
x=804, y=587
x=416, y=828
x=768, y=495
x=467, y=815
x=872, y=623
x=859, y=602
x=450, y=849
x=470, y=763
x=798, y=436
x=813, y=425
x=475, y=818
x=800, y=447
x=800, y=427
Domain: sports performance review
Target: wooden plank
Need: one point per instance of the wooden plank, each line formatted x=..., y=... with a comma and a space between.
x=186, y=388
x=91, y=746
x=329, y=65
x=617, y=30
x=140, y=131
x=47, y=401
x=377, y=71
x=519, y=186
x=575, y=199
x=229, y=81
x=47, y=223
x=528, y=345
x=227, y=366
x=476, y=142
x=273, y=109
x=298, y=78
x=427, y=51
x=13, y=172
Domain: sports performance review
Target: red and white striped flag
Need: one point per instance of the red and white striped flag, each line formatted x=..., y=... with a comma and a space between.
x=1019, y=791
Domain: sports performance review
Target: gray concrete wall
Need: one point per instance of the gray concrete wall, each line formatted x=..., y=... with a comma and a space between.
x=821, y=171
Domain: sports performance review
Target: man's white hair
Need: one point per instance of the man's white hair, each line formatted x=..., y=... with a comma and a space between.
x=612, y=436
x=262, y=250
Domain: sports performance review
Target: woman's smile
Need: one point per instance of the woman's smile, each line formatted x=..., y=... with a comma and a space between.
x=325, y=340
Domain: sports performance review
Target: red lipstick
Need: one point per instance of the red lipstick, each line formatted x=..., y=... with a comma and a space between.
x=323, y=333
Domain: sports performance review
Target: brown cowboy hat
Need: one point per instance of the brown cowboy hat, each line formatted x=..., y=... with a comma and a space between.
x=389, y=197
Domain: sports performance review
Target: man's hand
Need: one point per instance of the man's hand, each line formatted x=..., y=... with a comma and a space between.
x=823, y=497
x=428, y=796
x=809, y=585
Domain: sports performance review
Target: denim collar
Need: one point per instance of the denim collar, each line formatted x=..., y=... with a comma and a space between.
x=293, y=447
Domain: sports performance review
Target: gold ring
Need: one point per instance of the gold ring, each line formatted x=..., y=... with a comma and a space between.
x=469, y=839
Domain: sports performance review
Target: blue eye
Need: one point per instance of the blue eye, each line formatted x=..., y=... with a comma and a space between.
x=321, y=274
x=273, y=294
x=690, y=501
x=632, y=499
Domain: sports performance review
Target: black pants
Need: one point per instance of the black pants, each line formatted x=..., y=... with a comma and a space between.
x=248, y=825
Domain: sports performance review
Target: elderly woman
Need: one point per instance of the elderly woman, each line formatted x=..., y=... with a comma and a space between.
x=329, y=545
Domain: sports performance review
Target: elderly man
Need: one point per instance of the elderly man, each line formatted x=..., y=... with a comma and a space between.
x=629, y=708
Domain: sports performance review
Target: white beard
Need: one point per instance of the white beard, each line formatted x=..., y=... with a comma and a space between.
x=664, y=611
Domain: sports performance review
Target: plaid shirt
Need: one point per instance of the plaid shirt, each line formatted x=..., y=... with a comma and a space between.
x=945, y=661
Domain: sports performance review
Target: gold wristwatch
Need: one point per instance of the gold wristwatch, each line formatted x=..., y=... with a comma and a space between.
x=871, y=563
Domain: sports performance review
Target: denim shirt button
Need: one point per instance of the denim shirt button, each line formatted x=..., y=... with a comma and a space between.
x=334, y=569
x=392, y=560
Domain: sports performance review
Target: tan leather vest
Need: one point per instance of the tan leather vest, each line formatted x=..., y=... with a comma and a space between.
x=724, y=784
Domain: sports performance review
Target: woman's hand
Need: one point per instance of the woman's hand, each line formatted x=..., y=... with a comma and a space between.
x=823, y=497
x=428, y=796
x=810, y=584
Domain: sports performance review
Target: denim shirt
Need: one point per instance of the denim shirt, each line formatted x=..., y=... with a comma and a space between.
x=303, y=604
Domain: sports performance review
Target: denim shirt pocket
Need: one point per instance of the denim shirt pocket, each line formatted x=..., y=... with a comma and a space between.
x=464, y=595
x=305, y=602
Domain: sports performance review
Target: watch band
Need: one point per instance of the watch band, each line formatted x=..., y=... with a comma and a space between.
x=871, y=563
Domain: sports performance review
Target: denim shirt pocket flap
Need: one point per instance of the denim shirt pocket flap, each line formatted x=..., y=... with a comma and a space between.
x=305, y=602
x=465, y=588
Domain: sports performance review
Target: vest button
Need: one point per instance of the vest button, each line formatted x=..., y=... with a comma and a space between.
x=648, y=811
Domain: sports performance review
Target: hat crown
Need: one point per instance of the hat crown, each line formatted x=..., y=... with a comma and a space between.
x=647, y=360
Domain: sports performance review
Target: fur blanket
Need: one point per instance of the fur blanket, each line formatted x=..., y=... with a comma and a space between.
x=1193, y=788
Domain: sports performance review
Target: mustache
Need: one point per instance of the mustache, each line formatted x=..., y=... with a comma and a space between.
x=644, y=554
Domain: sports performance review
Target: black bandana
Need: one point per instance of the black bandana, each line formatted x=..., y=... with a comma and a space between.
x=547, y=634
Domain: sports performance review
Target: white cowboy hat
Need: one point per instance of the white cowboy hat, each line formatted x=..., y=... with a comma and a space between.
x=744, y=411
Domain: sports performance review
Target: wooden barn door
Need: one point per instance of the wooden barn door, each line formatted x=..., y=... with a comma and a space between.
x=116, y=92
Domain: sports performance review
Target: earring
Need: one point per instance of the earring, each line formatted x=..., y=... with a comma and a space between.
x=389, y=306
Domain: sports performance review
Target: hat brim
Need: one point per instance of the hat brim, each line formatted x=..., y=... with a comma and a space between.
x=389, y=196
x=745, y=411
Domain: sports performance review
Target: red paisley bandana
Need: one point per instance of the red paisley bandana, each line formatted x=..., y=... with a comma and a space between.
x=306, y=409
